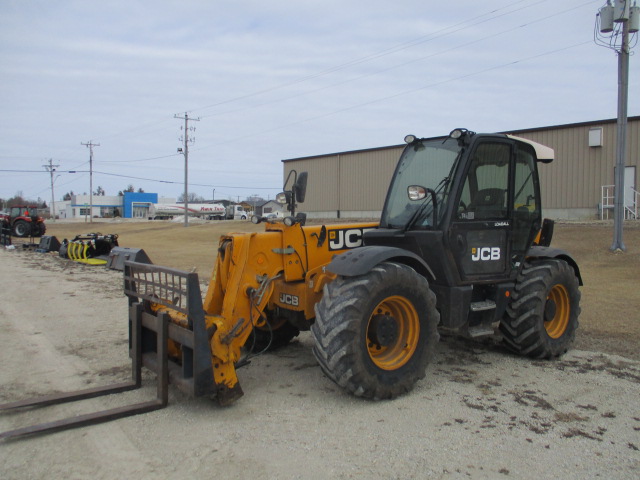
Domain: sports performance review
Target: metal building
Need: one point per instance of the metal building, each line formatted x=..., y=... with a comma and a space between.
x=577, y=185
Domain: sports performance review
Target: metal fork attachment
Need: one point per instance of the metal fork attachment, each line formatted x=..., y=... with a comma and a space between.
x=151, y=331
x=154, y=290
x=160, y=326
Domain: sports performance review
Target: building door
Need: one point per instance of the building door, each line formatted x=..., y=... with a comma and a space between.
x=630, y=192
x=629, y=186
x=140, y=210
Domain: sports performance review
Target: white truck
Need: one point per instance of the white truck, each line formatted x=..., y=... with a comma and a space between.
x=210, y=211
x=236, y=212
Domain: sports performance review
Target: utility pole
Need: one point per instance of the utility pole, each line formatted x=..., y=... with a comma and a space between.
x=90, y=144
x=51, y=168
x=619, y=21
x=185, y=152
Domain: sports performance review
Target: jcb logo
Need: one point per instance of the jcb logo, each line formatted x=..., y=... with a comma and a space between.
x=289, y=299
x=485, y=254
x=346, y=238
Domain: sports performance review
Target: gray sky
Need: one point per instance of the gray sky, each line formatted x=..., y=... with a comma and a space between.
x=272, y=80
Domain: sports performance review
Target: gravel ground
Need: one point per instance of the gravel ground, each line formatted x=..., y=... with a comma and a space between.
x=479, y=413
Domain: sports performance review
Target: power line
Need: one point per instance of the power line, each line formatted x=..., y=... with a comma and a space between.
x=413, y=60
x=396, y=95
x=388, y=51
x=177, y=183
x=111, y=174
x=142, y=159
x=471, y=22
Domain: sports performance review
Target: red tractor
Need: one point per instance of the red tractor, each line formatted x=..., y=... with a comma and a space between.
x=24, y=221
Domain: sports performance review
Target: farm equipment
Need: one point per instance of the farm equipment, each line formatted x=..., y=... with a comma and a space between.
x=460, y=245
x=24, y=221
x=89, y=248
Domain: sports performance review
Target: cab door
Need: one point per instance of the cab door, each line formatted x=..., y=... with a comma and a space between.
x=480, y=231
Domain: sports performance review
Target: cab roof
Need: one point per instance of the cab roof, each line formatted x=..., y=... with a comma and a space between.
x=544, y=154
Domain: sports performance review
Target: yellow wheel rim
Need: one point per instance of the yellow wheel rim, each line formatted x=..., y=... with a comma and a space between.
x=557, y=311
x=399, y=347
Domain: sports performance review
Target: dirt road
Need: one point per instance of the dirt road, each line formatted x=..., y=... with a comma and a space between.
x=479, y=413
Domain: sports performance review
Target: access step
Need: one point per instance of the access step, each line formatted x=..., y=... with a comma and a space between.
x=481, y=331
x=482, y=306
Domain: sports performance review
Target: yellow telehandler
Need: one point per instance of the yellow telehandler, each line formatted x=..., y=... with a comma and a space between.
x=460, y=244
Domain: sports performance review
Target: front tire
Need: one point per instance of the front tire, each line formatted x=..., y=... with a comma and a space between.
x=542, y=317
x=375, y=334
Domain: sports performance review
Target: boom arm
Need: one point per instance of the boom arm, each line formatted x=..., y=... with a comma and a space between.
x=282, y=267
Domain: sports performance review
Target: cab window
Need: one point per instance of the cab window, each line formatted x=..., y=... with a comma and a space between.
x=485, y=190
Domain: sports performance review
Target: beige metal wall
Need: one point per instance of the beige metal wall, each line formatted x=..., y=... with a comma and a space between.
x=354, y=184
x=571, y=185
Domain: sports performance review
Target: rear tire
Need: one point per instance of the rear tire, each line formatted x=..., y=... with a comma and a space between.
x=21, y=228
x=542, y=317
x=374, y=334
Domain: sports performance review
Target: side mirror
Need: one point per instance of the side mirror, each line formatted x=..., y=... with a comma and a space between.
x=297, y=192
x=416, y=192
x=300, y=187
x=283, y=198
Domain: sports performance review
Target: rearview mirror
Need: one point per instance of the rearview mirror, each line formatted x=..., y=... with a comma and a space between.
x=283, y=198
x=416, y=192
x=300, y=187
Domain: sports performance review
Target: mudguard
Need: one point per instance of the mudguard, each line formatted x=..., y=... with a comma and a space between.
x=361, y=260
x=538, y=251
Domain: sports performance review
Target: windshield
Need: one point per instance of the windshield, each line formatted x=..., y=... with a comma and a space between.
x=429, y=164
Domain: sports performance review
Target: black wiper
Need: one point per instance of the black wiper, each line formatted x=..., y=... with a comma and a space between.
x=418, y=213
x=420, y=210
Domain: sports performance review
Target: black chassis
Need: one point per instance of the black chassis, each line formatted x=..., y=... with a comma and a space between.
x=437, y=255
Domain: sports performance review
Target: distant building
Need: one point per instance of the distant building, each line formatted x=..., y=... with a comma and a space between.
x=248, y=206
x=578, y=184
x=80, y=206
x=270, y=207
x=129, y=205
x=137, y=205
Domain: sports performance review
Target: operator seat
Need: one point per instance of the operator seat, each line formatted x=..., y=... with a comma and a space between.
x=488, y=203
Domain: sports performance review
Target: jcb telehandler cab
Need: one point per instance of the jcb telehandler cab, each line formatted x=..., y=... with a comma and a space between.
x=460, y=244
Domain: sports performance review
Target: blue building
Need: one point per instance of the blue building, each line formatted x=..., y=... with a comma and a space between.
x=136, y=205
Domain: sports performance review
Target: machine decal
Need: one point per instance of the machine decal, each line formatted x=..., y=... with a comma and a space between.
x=485, y=254
x=289, y=299
x=345, y=238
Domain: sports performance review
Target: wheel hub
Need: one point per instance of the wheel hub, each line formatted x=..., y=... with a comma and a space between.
x=550, y=310
x=383, y=330
x=557, y=311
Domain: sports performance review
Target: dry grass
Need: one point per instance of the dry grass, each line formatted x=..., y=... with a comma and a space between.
x=610, y=319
